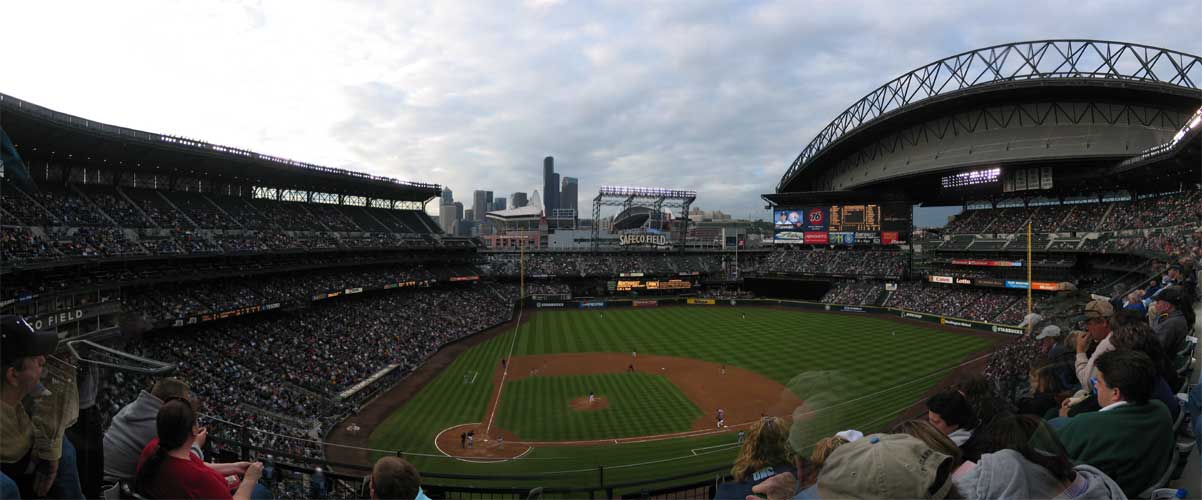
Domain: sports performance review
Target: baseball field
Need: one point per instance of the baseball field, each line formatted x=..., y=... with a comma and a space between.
x=658, y=377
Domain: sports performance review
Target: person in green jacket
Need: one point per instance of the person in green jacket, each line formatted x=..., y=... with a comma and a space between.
x=1131, y=437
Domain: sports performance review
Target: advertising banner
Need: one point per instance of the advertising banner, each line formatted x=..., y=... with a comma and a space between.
x=591, y=305
x=645, y=303
x=465, y=278
x=705, y=302
x=955, y=322
x=857, y=309
x=889, y=237
x=867, y=239
x=991, y=282
x=843, y=238
x=963, y=281
x=350, y=291
x=940, y=279
x=549, y=304
x=816, y=238
x=987, y=263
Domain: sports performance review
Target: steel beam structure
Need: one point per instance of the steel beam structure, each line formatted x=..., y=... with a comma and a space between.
x=999, y=64
x=658, y=198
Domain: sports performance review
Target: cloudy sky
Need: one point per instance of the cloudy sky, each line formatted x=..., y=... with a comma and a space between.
x=713, y=96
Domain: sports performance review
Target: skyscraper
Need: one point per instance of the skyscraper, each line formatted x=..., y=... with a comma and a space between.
x=481, y=204
x=498, y=203
x=568, y=195
x=447, y=197
x=518, y=200
x=550, y=185
x=449, y=215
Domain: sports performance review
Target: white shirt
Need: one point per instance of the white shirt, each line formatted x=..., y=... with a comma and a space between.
x=1114, y=405
x=960, y=436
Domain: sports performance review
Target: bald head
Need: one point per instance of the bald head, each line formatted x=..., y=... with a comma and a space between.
x=394, y=478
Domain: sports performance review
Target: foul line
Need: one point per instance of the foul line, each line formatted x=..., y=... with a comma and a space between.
x=716, y=446
x=508, y=356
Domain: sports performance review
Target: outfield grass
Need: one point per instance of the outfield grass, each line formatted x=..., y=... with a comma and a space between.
x=852, y=371
x=640, y=404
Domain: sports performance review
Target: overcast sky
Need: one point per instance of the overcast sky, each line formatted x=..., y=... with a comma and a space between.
x=718, y=97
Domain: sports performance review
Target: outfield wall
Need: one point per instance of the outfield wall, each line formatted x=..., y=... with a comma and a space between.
x=801, y=304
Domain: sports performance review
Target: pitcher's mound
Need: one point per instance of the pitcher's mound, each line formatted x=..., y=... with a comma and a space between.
x=582, y=404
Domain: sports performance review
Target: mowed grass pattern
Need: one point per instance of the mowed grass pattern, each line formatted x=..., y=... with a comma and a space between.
x=881, y=367
x=640, y=404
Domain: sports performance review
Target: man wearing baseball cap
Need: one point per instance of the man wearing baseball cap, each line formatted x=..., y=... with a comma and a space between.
x=1097, y=316
x=35, y=458
x=1169, y=324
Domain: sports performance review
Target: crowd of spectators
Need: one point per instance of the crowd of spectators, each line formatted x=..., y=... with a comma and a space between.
x=853, y=293
x=977, y=304
x=233, y=367
x=101, y=221
x=851, y=261
x=569, y=265
x=1169, y=210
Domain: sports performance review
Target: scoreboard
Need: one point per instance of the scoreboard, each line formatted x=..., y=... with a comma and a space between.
x=632, y=285
x=857, y=224
x=863, y=218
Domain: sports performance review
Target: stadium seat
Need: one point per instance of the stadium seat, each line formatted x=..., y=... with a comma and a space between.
x=1165, y=477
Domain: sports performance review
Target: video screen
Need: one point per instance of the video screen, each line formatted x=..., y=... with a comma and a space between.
x=858, y=224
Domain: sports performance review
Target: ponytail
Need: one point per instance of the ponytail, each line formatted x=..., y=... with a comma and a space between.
x=150, y=469
x=174, y=424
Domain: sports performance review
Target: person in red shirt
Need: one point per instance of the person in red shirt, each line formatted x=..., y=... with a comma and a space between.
x=168, y=469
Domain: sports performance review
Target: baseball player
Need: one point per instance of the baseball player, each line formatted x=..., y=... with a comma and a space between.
x=721, y=418
x=591, y=397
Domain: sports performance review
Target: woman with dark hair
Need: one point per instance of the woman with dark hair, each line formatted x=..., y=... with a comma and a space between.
x=949, y=412
x=168, y=469
x=1023, y=459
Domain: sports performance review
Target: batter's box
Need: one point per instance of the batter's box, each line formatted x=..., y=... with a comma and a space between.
x=470, y=377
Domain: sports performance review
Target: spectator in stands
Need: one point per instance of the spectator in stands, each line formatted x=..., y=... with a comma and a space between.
x=1045, y=388
x=1097, y=326
x=36, y=459
x=134, y=426
x=1135, y=302
x=1139, y=337
x=1169, y=323
x=168, y=469
x=887, y=466
x=317, y=484
x=394, y=478
x=950, y=412
x=1031, y=320
x=1131, y=437
x=938, y=441
x=1023, y=459
x=765, y=453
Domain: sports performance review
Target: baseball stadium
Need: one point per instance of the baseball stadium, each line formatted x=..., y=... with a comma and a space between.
x=321, y=320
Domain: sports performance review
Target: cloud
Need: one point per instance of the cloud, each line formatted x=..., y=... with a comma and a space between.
x=714, y=96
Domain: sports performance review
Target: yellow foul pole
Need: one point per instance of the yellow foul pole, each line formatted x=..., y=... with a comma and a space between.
x=1029, y=264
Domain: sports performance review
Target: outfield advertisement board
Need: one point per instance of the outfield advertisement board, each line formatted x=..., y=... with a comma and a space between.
x=591, y=305
x=645, y=303
x=549, y=304
x=704, y=302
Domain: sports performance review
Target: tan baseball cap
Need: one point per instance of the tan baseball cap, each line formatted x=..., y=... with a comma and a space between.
x=1098, y=309
x=884, y=466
